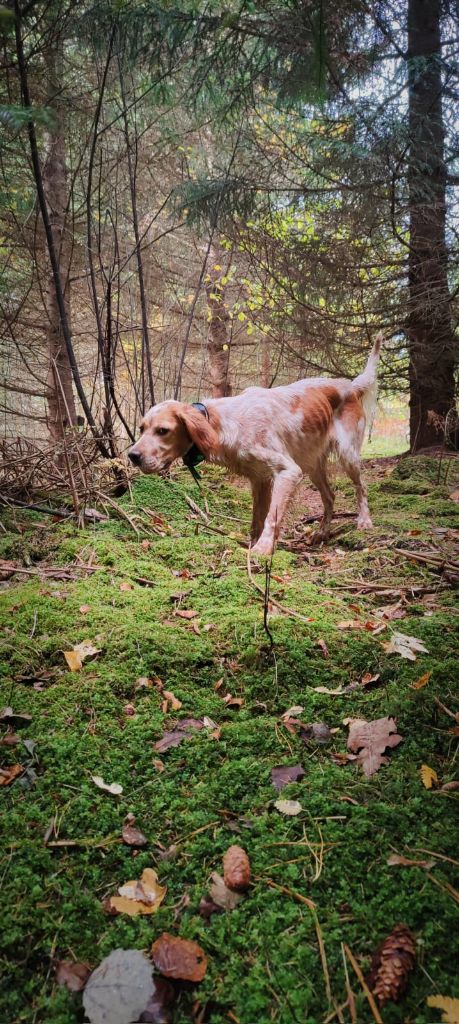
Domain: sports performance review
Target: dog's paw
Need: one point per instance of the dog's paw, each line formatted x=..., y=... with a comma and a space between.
x=364, y=523
x=263, y=547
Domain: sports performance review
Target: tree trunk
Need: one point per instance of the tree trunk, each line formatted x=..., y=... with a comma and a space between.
x=431, y=338
x=61, y=402
x=218, y=340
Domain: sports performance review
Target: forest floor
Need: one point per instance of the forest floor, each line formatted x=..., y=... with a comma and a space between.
x=276, y=957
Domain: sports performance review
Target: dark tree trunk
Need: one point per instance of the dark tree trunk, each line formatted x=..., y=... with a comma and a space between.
x=431, y=338
x=61, y=401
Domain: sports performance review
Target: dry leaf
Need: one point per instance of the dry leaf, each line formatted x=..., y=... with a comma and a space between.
x=396, y=859
x=10, y=716
x=8, y=775
x=158, y=765
x=391, y=965
x=132, y=836
x=448, y=1006
x=129, y=711
x=369, y=740
x=79, y=653
x=72, y=974
x=138, y=896
x=113, y=787
x=233, y=702
x=321, y=643
x=350, y=624
x=422, y=681
x=174, y=737
x=145, y=545
x=84, y=609
x=221, y=895
x=126, y=586
x=292, y=712
x=174, y=701
x=143, y=683
x=179, y=958
x=429, y=776
x=367, y=679
x=207, y=906
x=119, y=989
x=159, y=1007
x=186, y=613
x=281, y=775
x=289, y=807
x=405, y=646
x=236, y=869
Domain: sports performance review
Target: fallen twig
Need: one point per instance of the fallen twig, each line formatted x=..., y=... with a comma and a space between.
x=282, y=608
x=369, y=995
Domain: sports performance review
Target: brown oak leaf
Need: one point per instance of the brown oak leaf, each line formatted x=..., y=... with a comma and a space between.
x=179, y=958
x=369, y=740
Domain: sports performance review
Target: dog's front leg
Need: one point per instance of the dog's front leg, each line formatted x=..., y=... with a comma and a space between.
x=284, y=485
x=261, y=493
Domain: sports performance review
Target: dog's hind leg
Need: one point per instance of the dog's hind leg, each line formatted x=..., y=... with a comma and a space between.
x=353, y=471
x=320, y=480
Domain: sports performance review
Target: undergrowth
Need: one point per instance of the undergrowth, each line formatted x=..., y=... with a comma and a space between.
x=264, y=960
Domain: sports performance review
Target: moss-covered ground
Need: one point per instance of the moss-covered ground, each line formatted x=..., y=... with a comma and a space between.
x=264, y=958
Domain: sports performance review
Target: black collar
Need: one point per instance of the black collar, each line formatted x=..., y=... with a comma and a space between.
x=193, y=456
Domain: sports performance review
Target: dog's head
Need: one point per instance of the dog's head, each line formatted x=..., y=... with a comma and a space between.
x=168, y=431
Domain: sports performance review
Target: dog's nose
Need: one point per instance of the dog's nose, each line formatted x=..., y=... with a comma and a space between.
x=134, y=457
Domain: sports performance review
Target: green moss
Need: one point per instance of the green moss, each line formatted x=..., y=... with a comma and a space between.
x=264, y=961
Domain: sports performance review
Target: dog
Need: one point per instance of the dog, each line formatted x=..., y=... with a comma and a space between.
x=274, y=437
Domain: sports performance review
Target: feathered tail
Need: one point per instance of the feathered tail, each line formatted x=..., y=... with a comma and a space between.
x=366, y=384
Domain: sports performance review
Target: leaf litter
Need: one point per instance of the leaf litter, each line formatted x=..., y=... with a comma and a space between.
x=138, y=896
x=119, y=989
x=179, y=958
x=109, y=787
x=369, y=740
x=281, y=775
x=79, y=653
x=406, y=646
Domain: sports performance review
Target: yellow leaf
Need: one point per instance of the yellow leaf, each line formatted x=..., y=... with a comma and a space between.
x=138, y=896
x=73, y=660
x=429, y=776
x=217, y=266
x=449, y=1007
x=422, y=681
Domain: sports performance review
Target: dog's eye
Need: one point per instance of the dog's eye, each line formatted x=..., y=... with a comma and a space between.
x=162, y=431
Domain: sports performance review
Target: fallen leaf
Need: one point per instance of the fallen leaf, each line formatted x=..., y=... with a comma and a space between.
x=367, y=679
x=392, y=611
x=369, y=740
x=159, y=1007
x=119, y=989
x=113, y=787
x=293, y=712
x=174, y=701
x=405, y=646
x=126, y=586
x=391, y=965
x=448, y=1006
x=174, y=737
x=221, y=895
x=281, y=775
x=233, y=702
x=8, y=775
x=236, y=869
x=19, y=718
x=341, y=758
x=179, y=958
x=429, y=776
x=145, y=545
x=79, y=653
x=10, y=739
x=129, y=711
x=72, y=974
x=422, y=681
x=138, y=896
x=321, y=643
x=289, y=807
x=186, y=613
x=132, y=836
x=158, y=765
x=143, y=683
x=447, y=786
x=84, y=609
x=350, y=624
x=397, y=860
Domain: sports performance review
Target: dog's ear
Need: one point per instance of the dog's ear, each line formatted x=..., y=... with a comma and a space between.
x=201, y=432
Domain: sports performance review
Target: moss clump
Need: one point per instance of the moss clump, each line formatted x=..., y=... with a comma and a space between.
x=264, y=962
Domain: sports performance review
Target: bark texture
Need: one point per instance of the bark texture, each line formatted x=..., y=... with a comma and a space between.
x=431, y=337
x=218, y=341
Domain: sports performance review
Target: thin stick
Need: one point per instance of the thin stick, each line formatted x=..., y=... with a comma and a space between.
x=323, y=958
x=350, y=994
x=369, y=995
x=277, y=604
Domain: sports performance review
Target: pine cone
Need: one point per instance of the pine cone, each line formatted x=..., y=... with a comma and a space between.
x=391, y=964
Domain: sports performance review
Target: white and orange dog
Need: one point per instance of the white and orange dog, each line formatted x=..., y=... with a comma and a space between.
x=274, y=437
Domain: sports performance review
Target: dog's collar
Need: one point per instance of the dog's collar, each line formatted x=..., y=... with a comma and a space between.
x=194, y=456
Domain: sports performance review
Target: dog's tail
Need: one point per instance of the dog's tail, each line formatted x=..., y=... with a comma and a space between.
x=366, y=384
